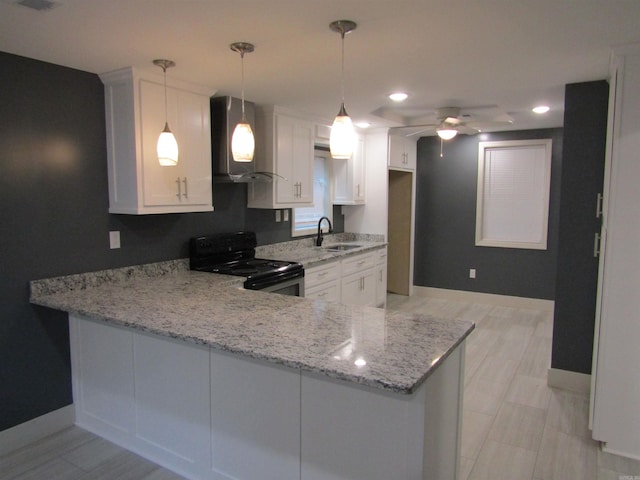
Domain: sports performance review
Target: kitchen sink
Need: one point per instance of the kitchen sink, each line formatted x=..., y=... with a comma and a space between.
x=341, y=247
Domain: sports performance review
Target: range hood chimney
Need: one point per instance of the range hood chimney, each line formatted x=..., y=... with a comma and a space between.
x=226, y=112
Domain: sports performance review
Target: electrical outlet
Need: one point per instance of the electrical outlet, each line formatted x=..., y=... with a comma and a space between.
x=278, y=214
x=114, y=239
x=472, y=273
x=286, y=215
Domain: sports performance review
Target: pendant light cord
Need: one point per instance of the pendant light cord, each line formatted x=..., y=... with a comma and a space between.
x=242, y=83
x=342, y=69
x=164, y=70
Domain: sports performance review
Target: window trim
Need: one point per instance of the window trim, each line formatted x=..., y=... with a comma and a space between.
x=542, y=197
x=324, y=153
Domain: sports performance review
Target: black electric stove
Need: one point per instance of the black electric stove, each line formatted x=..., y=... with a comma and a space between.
x=234, y=254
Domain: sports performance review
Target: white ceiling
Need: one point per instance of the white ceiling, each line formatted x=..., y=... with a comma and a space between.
x=506, y=54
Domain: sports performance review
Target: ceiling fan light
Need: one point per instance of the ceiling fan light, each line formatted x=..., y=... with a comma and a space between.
x=446, y=133
x=243, y=143
x=342, y=139
x=167, y=148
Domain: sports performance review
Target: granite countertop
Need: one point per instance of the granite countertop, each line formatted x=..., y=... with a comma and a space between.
x=364, y=345
x=305, y=252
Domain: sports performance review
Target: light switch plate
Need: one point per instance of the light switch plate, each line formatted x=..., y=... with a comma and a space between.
x=114, y=239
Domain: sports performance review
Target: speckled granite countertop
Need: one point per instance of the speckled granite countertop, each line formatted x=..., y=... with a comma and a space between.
x=304, y=251
x=364, y=345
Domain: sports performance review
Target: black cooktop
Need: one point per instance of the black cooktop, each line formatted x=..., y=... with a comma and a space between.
x=234, y=254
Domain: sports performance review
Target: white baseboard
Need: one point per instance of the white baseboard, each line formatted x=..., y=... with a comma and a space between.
x=485, y=298
x=566, y=380
x=36, y=429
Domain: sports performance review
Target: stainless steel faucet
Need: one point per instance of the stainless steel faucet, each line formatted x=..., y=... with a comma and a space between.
x=319, y=238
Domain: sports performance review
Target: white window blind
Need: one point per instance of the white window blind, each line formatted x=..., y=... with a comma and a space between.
x=513, y=194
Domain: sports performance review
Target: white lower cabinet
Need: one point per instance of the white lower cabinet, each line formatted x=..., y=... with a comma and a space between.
x=356, y=280
x=212, y=415
x=172, y=401
x=255, y=419
x=359, y=280
x=360, y=288
x=323, y=282
x=350, y=432
x=148, y=394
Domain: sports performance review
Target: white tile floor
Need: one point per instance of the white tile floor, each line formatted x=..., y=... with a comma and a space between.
x=514, y=426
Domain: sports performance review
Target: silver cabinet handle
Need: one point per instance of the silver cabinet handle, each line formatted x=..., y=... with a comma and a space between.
x=596, y=245
x=179, y=194
x=186, y=190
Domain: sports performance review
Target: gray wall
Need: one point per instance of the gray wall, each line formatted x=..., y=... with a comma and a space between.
x=446, y=217
x=54, y=220
x=583, y=157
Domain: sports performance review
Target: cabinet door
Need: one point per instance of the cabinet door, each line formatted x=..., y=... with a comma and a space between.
x=349, y=178
x=161, y=185
x=188, y=182
x=294, y=152
x=402, y=152
x=359, y=288
x=193, y=123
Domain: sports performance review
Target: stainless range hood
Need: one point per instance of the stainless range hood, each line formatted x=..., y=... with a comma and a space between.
x=226, y=112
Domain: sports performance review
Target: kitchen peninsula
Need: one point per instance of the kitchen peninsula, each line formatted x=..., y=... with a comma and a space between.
x=216, y=382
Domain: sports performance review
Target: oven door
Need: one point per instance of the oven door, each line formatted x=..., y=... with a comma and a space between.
x=289, y=286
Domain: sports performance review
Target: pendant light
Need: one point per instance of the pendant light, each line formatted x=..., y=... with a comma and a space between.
x=342, y=140
x=242, y=141
x=167, y=147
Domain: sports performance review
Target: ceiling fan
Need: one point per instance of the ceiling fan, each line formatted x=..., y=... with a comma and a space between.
x=447, y=122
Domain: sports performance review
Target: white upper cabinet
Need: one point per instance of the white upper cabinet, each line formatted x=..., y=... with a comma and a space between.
x=349, y=177
x=284, y=146
x=402, y=152
x=135, y=116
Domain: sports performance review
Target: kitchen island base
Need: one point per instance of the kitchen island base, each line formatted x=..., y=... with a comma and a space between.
x=208, y=414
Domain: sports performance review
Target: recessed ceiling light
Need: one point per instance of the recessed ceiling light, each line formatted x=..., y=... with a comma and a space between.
x=540, y=109
x=363, y=124
x=398, y=96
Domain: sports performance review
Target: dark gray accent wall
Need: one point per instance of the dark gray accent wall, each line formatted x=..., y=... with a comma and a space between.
x=583, y=157
x=54, y=220
x=445, y=248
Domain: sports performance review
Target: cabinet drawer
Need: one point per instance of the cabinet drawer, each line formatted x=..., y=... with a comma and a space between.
x=381, y=256
x=358, y=263
x=322, y=274
x=327, y=291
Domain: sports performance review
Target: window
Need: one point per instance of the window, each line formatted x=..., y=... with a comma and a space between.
x=512, y=209
x=305, y=219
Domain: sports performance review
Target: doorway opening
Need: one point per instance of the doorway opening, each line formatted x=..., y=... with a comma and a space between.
x=400, y=258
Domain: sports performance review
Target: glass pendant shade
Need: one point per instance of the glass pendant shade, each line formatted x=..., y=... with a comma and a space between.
x=342, y=140
x=167, y=148
x=242, y=142
x=447, y=133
